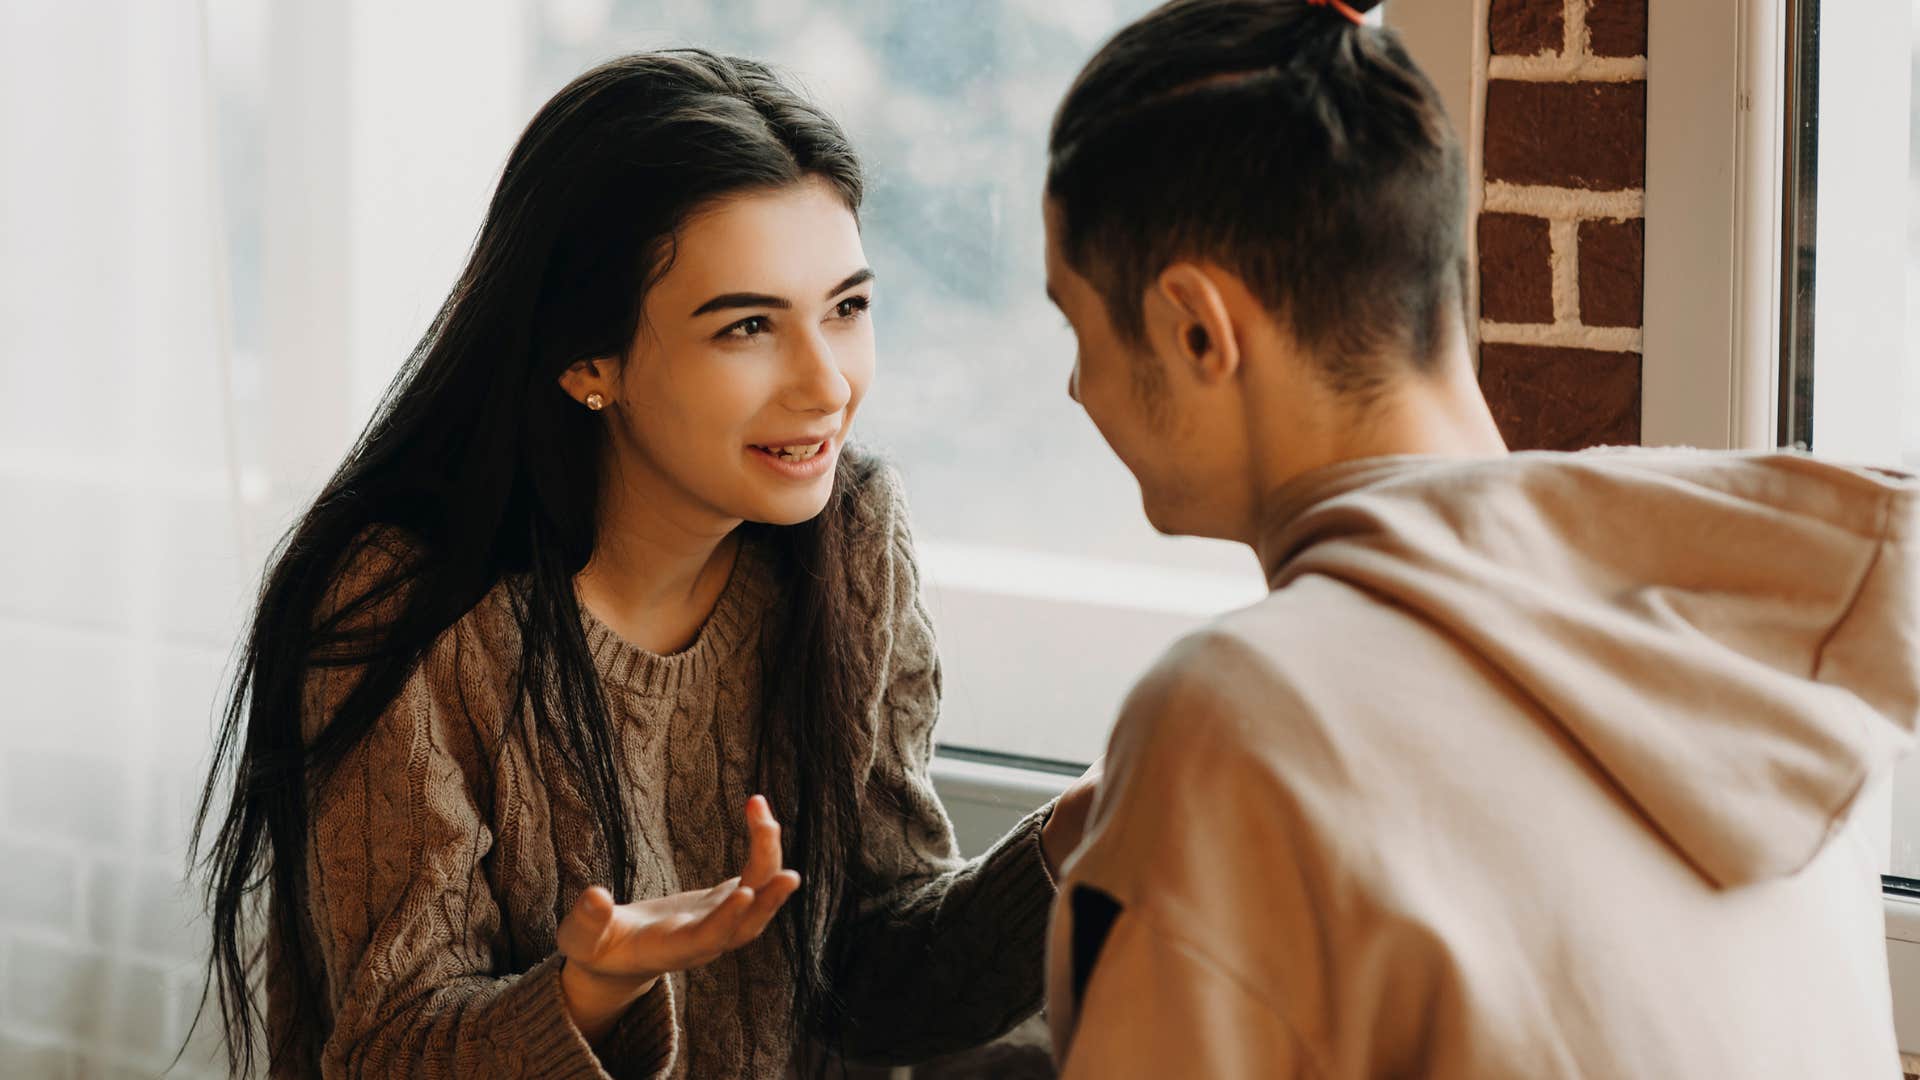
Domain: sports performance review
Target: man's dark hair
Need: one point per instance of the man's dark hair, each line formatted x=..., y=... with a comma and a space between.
x=1277, y=138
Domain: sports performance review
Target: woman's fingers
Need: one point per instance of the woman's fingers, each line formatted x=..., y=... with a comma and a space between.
x=763, y=839
x=672, y=933
x=765, y=906
x=585, y=927
x=711, y=935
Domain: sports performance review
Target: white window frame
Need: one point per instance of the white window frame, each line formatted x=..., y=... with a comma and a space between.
x=1714, y=204
x=1715, y=158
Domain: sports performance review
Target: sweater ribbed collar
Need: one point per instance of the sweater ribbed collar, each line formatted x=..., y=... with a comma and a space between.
x=736, y=618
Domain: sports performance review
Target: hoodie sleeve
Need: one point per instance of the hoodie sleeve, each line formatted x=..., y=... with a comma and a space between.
x=1159, y=1005
x=1192, y=936
x=946, y=953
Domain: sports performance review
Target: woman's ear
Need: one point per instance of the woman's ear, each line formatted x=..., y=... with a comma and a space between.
x=1203, y=334
x=587, y=378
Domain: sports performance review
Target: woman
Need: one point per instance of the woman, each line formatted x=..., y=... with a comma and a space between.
x=601, y=569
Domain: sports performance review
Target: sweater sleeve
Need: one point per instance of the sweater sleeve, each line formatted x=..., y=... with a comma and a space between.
x=403, y=916
x=946, y=953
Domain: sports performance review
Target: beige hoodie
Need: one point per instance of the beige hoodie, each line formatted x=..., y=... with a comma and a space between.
x=1534, y=767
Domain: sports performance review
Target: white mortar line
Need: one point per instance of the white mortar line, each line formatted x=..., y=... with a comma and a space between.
x=1550, y=68
x=1564, y=257
x=1476, y=124
x=1564, y=336
x=1552, y=202
x=1579, y=42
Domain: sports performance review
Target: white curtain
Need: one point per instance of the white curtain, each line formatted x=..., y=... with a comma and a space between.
x=122, y=573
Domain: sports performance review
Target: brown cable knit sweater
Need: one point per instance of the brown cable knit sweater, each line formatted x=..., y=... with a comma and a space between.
x=448, y=846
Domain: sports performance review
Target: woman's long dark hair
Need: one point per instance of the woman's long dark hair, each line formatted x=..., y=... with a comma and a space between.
x=488, y=470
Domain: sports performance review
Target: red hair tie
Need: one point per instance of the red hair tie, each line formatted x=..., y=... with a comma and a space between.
x=1342, y=7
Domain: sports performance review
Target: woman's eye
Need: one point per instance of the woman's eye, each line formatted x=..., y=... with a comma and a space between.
x=748, y=328
x=852, y=307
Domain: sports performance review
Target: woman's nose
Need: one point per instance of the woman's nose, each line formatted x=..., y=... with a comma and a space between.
x=819, y=385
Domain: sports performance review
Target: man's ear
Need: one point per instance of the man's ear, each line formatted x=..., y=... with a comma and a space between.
x=1196, y=326
x=595, y=376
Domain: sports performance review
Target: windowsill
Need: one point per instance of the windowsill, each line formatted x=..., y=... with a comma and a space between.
x=1903, y=918
x=992, y=784
x=984, y=799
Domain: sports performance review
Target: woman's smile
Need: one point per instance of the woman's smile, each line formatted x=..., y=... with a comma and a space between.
x=798, y=459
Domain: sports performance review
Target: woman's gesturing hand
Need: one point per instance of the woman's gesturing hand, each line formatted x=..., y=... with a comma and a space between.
x=616, y=952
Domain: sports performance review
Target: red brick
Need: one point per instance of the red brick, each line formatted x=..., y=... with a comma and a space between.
x=1589, y=135
x=1562, y=399
x=1612, y=268
x=1617, y=27
x=1527, y=27
x=1516, y=269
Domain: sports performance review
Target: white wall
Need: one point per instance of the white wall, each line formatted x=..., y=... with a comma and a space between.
x=127, y=553
x=118, y=570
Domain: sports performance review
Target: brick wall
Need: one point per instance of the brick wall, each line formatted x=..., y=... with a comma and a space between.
x=1562, y=224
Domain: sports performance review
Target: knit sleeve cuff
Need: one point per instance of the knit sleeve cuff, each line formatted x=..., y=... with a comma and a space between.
x=535, y=1029
x=1014, y=872
x=646, y=1038
x=534, y=1032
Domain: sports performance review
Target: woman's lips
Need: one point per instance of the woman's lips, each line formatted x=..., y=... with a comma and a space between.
x=796, y=460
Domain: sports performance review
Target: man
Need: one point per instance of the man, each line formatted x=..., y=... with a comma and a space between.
x=1529, y=766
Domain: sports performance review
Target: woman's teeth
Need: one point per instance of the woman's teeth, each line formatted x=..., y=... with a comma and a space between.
x=795, y=453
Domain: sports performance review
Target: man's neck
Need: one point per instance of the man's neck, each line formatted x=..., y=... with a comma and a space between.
x=1438, y=415
x=1443, y=415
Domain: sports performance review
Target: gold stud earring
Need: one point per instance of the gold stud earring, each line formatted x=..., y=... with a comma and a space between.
x=596, y=402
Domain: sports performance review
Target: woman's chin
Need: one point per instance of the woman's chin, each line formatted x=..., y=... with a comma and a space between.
x=791, y=507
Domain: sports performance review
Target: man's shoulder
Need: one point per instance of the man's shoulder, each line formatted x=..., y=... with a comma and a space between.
x=1287, y=691
x=1227, y=744
x=1293, y=644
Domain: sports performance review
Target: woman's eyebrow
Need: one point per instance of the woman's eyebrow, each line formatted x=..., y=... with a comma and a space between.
x=764, y=300
x=858, y=277
x=741, y=300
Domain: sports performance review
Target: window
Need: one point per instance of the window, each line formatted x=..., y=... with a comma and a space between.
x=1849, y=377
x=357, y=155
x=1050, y=591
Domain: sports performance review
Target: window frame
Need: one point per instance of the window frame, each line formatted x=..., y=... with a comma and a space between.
x=1729, y=322
x=1710, y=373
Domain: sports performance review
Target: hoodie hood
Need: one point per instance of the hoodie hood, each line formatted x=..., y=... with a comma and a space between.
x=1733, y=638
